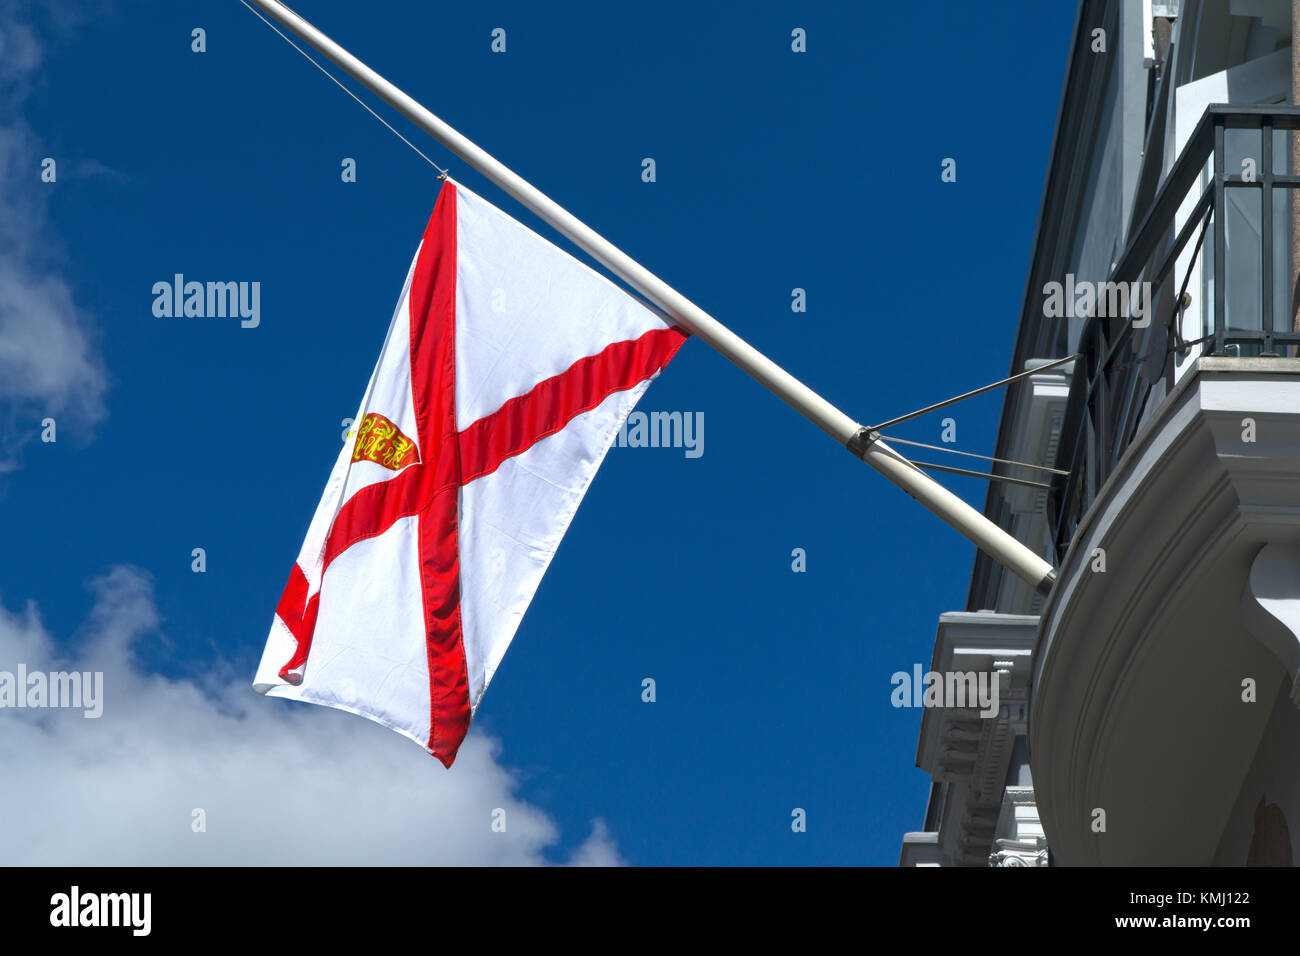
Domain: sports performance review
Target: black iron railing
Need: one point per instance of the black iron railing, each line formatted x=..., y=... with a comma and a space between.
x=1232, y=148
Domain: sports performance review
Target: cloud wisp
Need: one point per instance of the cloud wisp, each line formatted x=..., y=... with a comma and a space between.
x=50, y=366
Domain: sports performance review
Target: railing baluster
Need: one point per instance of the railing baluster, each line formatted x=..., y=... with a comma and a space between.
x=1266, y=232
x=1220, y=317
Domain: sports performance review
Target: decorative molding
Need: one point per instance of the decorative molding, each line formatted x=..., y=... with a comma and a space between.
x=1039, y=409
x=921, y=849
x=967, y=755
x=1043, y=398
x=1019, y=839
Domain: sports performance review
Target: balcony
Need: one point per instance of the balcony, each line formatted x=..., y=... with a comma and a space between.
x=1117, y=382
x=1177, y=529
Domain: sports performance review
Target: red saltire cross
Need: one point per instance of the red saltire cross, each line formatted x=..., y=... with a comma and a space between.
x=450, y=458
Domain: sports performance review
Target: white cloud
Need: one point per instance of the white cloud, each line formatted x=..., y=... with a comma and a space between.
x=49, y=363
x=280, y=782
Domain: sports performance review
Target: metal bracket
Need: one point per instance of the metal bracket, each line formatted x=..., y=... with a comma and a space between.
x=862, y=439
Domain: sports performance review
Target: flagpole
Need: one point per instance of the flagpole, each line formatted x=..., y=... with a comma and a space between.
x=986, y=535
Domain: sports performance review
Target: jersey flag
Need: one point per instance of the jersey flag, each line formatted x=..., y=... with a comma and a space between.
x=508, y=370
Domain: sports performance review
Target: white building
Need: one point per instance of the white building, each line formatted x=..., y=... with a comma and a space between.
x=1149, y=703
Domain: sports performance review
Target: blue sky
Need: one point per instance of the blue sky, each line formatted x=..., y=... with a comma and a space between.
x=775, y=170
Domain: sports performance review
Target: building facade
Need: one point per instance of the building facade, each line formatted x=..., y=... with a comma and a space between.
x=1148, y=704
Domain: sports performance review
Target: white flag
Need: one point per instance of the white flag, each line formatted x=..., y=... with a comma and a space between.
x=508, y=370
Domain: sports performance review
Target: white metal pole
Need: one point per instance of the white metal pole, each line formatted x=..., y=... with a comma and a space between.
x=986, y=535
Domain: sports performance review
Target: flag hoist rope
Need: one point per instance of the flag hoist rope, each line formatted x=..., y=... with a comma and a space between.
x=863, y=443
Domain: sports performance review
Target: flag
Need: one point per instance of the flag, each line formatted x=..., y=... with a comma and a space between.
x=508, y=370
